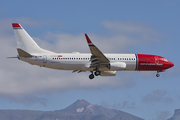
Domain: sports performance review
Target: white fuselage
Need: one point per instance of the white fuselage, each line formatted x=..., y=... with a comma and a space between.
x=79, y=61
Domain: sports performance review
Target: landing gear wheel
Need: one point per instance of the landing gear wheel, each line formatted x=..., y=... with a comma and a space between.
x=157, y=75
x=91, y=76
x=97, y=73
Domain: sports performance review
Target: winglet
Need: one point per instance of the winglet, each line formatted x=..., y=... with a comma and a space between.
x=16, y=25
x=97, y=55
x=87, y=38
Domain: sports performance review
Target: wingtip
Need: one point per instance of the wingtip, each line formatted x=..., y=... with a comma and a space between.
x=87, y=38
x=16, y=25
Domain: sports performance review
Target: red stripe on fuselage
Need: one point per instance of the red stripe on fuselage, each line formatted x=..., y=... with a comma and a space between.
x=152, y=63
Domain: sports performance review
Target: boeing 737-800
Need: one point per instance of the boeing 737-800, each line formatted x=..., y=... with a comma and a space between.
x=98, y=63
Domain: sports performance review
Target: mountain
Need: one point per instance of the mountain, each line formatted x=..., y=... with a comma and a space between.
x=77, y=106
x=176, y=115
x=79, y=110
x=82, y=106
x=85, y=107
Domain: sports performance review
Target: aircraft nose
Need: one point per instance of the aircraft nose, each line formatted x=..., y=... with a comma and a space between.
x=171, y=64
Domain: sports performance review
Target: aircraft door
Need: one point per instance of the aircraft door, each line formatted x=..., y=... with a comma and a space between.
x=156, y=60
x=44, y=59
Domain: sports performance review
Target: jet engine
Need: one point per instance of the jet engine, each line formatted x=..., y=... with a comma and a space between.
x=108, y=73
x=117, y=66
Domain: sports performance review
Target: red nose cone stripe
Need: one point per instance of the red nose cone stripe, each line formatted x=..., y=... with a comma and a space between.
x=172, y=64
x=16, y=25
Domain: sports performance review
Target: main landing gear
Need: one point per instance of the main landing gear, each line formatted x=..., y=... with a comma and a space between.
x=96, y=73
x=91, y=76
x=157, y=75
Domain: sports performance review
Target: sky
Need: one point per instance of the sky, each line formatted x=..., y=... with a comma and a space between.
x=119, y=26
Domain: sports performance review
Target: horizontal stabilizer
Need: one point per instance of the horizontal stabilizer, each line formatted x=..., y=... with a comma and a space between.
x=12, y=57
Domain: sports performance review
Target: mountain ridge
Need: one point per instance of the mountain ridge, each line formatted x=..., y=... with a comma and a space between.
x=83, y=106
x=79, y=110
x=176, y=115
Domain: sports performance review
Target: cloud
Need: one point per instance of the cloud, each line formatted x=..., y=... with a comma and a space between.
x=27, y=100
x=20, y=78
x=130, y=27
x=6, y=23
x=121, y=105
x=122, y=36
x=133, y=36
x=157, y=96
x=125, y=104
x=133, y=33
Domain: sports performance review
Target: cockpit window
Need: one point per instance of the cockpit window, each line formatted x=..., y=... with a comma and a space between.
x=164, y=59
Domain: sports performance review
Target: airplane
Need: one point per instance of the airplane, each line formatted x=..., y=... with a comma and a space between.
x=98, y=63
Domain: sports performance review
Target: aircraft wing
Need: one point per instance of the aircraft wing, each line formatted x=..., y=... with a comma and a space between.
x=98, y=59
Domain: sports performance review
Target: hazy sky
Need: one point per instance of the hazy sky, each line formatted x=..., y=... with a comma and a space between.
x=149, y=27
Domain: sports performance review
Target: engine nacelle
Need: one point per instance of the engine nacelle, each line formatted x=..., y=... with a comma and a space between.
x=108, y=73
x=117, y=66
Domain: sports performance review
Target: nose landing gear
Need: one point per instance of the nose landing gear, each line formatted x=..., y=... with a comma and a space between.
x=157, y=75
